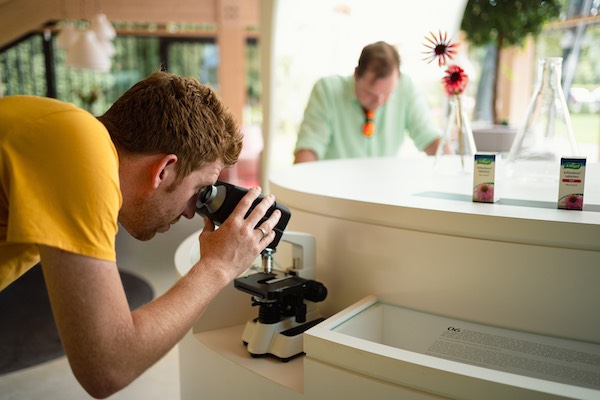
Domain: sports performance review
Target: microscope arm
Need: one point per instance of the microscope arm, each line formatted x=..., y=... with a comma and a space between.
x=303, y=253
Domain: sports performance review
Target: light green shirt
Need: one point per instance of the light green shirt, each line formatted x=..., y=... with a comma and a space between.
x=333, y=121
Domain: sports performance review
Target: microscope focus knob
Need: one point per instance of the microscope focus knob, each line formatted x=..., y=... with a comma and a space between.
x=315, y=291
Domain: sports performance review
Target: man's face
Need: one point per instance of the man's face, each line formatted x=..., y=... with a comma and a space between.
x=163, y=206
x=372, y=92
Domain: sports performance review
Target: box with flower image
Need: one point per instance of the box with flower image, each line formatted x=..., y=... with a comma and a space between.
x=571, y=183
x=484, y=177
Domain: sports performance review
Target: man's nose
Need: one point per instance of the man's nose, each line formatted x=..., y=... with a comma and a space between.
x=385, y=96
x=380, y=99
x=190, y=209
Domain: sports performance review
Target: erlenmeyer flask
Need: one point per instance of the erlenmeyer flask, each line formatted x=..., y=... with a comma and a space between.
x=547, y=133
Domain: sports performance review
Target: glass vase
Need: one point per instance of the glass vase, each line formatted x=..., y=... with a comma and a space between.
x=458, y=140
x=546, y=134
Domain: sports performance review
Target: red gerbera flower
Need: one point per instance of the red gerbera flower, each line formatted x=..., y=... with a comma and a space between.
x=441, y=48
x=455, y=80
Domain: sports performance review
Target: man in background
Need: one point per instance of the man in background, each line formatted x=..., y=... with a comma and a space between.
x=367, y=114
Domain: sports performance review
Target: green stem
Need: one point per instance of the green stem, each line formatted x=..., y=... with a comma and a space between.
x=460, y=132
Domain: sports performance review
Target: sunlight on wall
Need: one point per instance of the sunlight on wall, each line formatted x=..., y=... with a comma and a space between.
x=314, y=38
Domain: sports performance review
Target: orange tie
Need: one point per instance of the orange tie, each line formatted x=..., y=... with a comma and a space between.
x=369, y=126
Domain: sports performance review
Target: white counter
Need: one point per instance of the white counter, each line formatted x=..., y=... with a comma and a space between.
x=401, y=193
x=408, y=232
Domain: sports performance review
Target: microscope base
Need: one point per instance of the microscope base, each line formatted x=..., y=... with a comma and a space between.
x=282, y=340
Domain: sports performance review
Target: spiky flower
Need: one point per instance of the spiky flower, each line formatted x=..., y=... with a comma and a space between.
x=455, y=80
x=440, y=47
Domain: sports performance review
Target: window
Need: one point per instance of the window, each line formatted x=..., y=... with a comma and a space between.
x=34, y=65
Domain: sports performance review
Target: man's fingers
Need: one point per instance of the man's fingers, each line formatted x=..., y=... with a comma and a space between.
x=208, y=224
x=246, y=202
x=259, y=210
x=265, y=228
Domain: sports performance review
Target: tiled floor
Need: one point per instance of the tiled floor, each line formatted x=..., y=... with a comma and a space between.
x=151, y=260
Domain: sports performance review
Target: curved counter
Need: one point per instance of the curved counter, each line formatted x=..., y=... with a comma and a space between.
x=415, y=194
x=408, y=229
x=399, y=238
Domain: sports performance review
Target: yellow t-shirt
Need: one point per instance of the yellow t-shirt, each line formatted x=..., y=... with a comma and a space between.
x=59, y=183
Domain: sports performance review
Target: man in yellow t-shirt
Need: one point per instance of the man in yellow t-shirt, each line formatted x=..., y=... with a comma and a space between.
x=66, y=180
x=58, y=167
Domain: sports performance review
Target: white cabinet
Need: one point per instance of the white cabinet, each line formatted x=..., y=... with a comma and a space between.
x=407, y=232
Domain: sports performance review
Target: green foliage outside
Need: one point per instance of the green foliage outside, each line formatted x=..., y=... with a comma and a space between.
x=23, y=70
x=587, y=73
x=506, y=23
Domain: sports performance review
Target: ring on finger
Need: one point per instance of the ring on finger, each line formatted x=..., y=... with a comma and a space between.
x=263, y=231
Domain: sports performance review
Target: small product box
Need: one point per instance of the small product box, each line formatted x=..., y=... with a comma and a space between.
x=484, y=177
x=571, y=182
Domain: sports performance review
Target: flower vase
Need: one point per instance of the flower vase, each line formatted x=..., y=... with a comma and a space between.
x=457, y=147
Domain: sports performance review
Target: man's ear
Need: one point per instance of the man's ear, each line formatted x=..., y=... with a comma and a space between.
x=163, y=170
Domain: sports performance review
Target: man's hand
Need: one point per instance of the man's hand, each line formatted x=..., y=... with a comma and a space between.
x=236, y=244
x=304, y=155
x=431, y=149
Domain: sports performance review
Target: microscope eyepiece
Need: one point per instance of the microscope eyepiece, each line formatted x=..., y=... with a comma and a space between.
x=219, y=200
x=211, y=198
x=207, y=194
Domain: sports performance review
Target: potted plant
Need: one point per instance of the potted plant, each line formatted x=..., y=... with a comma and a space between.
x=502, y=24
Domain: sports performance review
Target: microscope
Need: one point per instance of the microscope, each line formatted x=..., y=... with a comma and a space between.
x=285, y=298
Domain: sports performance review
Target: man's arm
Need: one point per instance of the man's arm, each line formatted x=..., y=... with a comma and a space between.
x=314, y=132
x=107, y=345
x=431, y=149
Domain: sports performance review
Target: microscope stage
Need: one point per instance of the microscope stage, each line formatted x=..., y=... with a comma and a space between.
x=269, y=286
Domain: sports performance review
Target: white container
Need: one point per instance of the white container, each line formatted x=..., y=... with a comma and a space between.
x=434, y=355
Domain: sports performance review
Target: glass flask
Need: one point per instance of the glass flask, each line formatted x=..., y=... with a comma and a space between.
x=458, y=137
x=547, y=133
